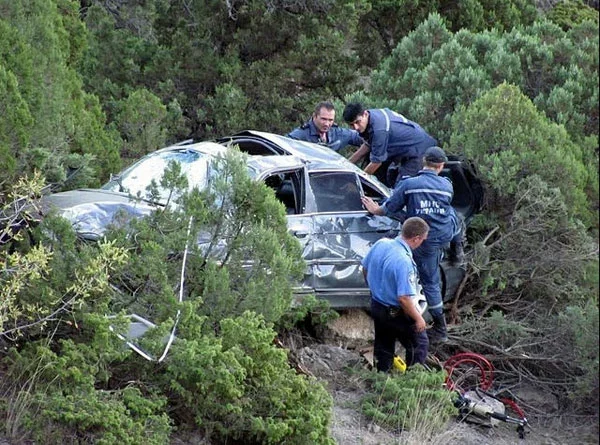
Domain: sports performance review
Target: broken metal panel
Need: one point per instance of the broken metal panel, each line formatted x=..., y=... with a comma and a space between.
x=302, y=228
x=91, y=220
x=340, y=242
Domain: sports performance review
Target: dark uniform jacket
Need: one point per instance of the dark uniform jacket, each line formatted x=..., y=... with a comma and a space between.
x=427, y=196
x=393, y=137
x=337, y=138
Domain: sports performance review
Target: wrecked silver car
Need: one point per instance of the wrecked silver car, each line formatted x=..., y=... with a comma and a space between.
x=319, y=188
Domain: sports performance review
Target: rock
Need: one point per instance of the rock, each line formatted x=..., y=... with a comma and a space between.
x=352, y=329
x=327, y=361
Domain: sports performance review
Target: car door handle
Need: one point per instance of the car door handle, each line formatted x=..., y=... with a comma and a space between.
x=299, y=234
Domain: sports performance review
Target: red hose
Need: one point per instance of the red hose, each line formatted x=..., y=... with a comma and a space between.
x=486, y=375
x=513, y=405
x=486, y=370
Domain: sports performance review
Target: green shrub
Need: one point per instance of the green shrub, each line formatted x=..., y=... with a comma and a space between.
x=581, y=343
x=223, y=373
x=432, y=72
x=239, y=386
x=515, y=260
x=389, y=21
x=408, y=401
x=50, y=122
x=523, y=143
x=141, y=121
x=569, y=13
x=102, y=417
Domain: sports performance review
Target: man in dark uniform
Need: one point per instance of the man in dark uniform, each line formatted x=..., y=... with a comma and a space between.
x=321, y=129
x=391, y=275
x=428, y=196
x=396, y=144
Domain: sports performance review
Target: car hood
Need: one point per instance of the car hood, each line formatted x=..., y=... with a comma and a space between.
x=91, y=211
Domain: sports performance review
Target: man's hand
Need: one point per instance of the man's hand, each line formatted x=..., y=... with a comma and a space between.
x=371, y=206
x=372, y=167
x=360, y=154
x=410, y=309
x=420, y=324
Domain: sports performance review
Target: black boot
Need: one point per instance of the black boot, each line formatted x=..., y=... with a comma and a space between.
x=437, y=333
x=456, y=254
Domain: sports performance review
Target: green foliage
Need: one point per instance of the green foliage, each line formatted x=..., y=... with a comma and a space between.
x=52, y=278
x=47, y=110
x=230, y=66
x=388, y=21
x=503, y=331
x=17, y=272
x=16, y=121
x=516, y=259
x=479, y=15
x=315, y=310
x=581, y=324
x=523, y=144
x=223, y=374
x=569, y=13
x=58, y=380
x=405, y=401
x=103, y=417
x=247, y=389
x=432, y=72
x=61, y=400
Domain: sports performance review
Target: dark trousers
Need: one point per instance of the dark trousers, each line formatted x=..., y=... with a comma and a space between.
x=388, y=329
x=402, y=168
x=427, y=258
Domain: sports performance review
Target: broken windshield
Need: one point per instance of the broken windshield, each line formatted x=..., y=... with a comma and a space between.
x=148, y=173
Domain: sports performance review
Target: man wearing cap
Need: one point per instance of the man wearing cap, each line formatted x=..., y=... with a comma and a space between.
x=321, y=129
x=428, y=196
x=396, y=144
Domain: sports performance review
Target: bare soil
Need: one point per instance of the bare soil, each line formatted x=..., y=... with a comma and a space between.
x=344, y=345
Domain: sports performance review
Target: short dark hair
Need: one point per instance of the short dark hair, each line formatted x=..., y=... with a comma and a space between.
x=352, y=110
x=413, y=227
x=327, y=105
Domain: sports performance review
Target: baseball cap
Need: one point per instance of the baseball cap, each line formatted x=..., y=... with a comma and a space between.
x=435, y=155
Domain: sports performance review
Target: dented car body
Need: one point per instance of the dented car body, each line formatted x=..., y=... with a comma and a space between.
x=319, y=188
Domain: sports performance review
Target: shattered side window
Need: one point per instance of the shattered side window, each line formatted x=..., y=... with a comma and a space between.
x=372, y=191
x=336, y=191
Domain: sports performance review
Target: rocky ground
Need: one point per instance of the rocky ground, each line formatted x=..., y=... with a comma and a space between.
x=345, y=345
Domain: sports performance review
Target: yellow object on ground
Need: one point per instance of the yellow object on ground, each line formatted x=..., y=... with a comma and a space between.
x=399, y=364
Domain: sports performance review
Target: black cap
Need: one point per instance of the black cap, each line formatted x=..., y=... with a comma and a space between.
x=435, y=155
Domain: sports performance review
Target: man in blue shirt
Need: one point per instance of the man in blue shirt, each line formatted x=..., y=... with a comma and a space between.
x=321, y=129
x=428, y=196
x=391, y=275
x=396, y=144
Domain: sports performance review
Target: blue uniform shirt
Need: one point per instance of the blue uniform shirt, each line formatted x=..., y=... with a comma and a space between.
x=391, y=135
x=391, y=271
x=337, y=138
x=427, y=196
